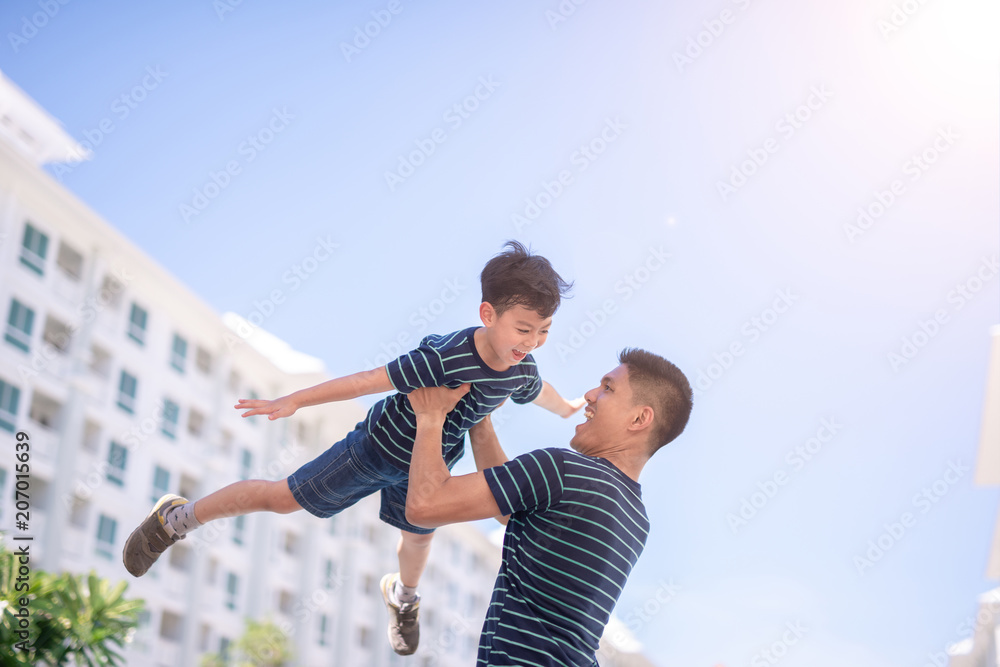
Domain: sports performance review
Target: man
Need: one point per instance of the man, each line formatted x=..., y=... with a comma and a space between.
x=575, y=519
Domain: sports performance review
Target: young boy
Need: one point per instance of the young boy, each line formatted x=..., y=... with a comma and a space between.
x=521, y=292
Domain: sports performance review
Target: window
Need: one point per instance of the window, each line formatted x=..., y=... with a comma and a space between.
x=20, y=319
x=161, y=483
x=126, y=392
x=106, y=527
x=3, y=489
x=196, y=422
x=323, y=624
x=239, y=528
x=291, y=543
x=232, y=586
x=117, y=458
x=364, y=637
x=70, y=261
x=57, y=334
x=171, y=413
x=178, y=354
x=330, y=574
x=246, y=462
x=203, y=360
x=137, y=324
x=171, y=626
x=9, y=397
x=33, y=249
x=224, y=649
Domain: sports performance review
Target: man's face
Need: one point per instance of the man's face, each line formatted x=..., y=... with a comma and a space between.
x=608, y=413
x=516, y=333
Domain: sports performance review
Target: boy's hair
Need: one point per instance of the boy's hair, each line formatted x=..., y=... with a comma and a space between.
x=659, y=384
x=515, y=277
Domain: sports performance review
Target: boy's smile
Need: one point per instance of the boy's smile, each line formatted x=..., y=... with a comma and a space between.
x=505, y=340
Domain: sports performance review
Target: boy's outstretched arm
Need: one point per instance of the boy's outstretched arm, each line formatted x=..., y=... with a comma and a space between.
x=345, y=388
x=434, y=497
x=550, y=399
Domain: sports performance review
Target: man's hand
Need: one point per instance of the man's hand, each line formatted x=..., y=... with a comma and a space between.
x=279, y=407
x=436, y=401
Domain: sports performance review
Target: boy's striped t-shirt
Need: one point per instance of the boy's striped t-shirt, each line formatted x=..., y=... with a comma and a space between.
x=577, y=526
x=446, y=361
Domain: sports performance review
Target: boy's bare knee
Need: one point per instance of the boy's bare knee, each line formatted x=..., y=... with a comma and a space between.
x=281, y=499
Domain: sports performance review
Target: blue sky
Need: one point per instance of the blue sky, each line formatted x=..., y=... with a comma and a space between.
x=702, y=172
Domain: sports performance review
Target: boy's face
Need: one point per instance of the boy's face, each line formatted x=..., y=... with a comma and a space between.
x=515, y=333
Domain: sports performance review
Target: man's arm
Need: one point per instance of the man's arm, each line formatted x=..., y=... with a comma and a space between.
x=339, y=389
x=550, y=399
x=487, y=451
x=435, y=498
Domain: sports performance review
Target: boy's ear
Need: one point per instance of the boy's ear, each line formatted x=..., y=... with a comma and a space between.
x=487, y=314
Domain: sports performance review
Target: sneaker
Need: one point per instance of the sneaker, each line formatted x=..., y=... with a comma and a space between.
x=152, y=537
x=404, y=628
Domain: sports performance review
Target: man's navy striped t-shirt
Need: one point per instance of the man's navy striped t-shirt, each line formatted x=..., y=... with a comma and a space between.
x=446, y=361
x=577, y=526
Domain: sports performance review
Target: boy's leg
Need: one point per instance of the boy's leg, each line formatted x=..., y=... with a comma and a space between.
x=174, y=517
x=250, y=495
x=399, y=590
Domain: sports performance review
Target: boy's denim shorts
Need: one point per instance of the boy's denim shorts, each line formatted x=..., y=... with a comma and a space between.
x=347, y=472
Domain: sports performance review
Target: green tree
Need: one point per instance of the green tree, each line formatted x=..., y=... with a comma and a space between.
x=263, y=644
x=70, y=618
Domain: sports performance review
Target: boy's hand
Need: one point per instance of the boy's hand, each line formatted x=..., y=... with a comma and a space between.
x=436, y=401
x=279, y=407
x=574, y=406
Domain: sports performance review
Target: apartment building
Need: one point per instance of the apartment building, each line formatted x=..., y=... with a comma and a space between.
x=124, y=382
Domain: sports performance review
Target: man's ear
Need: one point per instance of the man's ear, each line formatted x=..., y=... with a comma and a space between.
x=642, y=419
x=487, y=314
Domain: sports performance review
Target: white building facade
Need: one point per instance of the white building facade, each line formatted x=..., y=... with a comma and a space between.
x=124, y=382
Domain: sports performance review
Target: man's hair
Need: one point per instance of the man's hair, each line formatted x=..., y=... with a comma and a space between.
x=659, y=384
x=515, y=277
